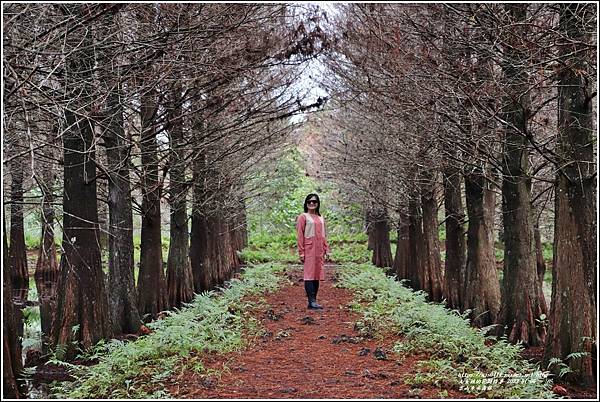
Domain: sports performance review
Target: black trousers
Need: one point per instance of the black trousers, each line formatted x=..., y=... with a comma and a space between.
x=312, y=288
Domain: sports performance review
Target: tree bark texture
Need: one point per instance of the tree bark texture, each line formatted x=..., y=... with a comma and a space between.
x=11, y=344
x=17, y=253
x=81, y=315
x=431, y=268
x=573, y=309
x=521, y=305
x=180, y=283
x=401, y=259
x=124, y=313
x=415, y=240
x=152, y=285
x=199, y=233
x=382, y=252
x=455, y=264
x=482, y=286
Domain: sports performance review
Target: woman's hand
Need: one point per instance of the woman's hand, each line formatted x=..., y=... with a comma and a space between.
x=302, y=259
x=327, y=257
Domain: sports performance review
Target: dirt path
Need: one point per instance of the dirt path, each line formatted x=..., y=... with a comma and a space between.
x=308, y=354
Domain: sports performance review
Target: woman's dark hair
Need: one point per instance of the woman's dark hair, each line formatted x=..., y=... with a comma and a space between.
x=308, y=197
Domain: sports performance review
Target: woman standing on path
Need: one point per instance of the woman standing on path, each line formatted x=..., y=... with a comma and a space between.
x=312, y=247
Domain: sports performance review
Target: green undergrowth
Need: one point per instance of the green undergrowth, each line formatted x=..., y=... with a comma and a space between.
x=457, y=353
x=216, y=321
x=263, y=248
x=343, y=253
x=345, y=247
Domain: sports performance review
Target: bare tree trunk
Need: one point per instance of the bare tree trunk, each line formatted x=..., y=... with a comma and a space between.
x=234, y=235
x=401, y=260
x=431, y=269
x=382, y=252
x=455, y=265
x=482, y=286
x=199, y=233
x=81, y=315
x=82, y=299
x=219, y=243
x=17, y=253
x=125, y=317
x=180, y=283
x=415, y=240
x=11, y=344
x=46, y=269
x=152, y=285
x=520, y=306
x=573, y=309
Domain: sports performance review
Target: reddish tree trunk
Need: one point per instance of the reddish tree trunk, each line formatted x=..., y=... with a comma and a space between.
x=236, y=241
x=152, y=285
x=180, y=283
x=82, y=299
x=124, y=313
x=415, y=241
x=573, y=310
x=521, y=305
x=199, y=233
x=219, y=245
x=431, y=267
x=199, y=253
x=455, y=265
x=17, y=253
x=382, y=252
x=81, y=315
x=482, y=286
x=402, y=256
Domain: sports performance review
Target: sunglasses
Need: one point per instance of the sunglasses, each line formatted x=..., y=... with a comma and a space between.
x=313, y=202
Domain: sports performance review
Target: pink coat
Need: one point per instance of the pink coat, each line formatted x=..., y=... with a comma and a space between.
x=312, y=244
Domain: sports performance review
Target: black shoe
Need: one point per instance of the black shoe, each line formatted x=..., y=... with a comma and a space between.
x=313, y=305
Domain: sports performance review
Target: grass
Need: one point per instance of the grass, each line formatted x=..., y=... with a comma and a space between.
x=217, y=322
x=458, y=355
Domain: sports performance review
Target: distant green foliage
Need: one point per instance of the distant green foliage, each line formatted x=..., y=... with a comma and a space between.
x=32, y=223
x=499, y=253
x=348, y=237
x=442, y=233
x=457, y=351
x=269, y=248
x=32, y=323
x=345, y=247
x=547, y=251
x=274, y=212
x=215, y=322
x=350, y=252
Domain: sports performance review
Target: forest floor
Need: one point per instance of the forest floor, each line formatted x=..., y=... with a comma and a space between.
x=316, y=354
x=308, y=354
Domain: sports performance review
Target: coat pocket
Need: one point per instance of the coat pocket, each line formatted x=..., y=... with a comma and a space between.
x=308, y=241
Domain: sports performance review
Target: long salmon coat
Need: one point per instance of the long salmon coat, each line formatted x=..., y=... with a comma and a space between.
x=312, y=244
